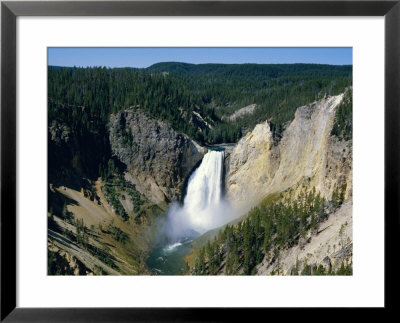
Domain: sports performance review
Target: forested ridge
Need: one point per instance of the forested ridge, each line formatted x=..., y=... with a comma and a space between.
x=83, y=98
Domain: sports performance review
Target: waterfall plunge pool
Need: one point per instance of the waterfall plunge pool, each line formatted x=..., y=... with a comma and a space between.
x=169, y=260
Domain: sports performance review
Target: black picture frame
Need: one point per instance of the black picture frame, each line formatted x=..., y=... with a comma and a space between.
x=10, y=10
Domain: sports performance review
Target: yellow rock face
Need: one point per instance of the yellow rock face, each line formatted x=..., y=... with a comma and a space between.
x=306, y=155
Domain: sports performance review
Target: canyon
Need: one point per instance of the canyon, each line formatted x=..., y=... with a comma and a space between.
x=132, y=188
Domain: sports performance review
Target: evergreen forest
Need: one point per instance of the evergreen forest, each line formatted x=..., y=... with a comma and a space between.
x=192, y=98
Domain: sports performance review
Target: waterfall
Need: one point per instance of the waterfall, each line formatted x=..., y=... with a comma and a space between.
x=203, y=206
x=204, y=189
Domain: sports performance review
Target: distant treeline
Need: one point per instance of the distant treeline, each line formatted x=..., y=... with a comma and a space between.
x=83, y=98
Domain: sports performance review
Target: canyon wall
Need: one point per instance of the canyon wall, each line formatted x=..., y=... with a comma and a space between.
x=306, y=156
x=158, y=158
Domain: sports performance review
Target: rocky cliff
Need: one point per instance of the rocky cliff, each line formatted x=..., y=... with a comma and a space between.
x=158, y=159
x=307, y=155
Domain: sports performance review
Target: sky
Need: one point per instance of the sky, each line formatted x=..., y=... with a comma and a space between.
x=144, y=57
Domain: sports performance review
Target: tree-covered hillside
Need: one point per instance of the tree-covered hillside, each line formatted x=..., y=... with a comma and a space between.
x=191, y=96
x=276, y=224
x=276, y=89
x=193, y=99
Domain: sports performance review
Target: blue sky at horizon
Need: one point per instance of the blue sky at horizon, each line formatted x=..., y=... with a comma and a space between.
x=144, y=57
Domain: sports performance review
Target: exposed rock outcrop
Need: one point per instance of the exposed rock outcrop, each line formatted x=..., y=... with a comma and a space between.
x=241, y=112
x=158, y=159
x=307, y=155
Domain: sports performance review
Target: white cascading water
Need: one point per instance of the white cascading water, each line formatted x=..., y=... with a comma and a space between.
x=204, y=190
x=203, y=207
